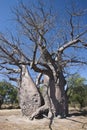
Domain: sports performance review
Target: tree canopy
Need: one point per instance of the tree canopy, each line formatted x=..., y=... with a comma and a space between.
x=43, y=39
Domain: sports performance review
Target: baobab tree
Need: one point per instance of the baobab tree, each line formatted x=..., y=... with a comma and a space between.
x=47, y=48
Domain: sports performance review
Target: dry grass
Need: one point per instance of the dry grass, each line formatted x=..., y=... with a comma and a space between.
x=12, y=120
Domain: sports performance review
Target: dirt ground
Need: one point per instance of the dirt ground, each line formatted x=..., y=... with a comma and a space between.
x=13, y=120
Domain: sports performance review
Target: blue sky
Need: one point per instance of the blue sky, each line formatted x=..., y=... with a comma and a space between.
x=6, y=20
x=6, y=17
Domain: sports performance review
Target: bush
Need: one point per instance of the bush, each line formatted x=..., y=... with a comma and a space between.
x=8, y=92
x=77, y=91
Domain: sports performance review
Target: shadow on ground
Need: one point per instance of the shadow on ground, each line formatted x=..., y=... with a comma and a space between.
x=78, y=113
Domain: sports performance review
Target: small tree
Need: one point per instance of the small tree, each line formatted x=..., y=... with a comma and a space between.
x=77, y=90
x=8, y=93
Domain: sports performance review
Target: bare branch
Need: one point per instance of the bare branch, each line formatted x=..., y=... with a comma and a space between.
x=70, y=43
x=38, y=78
x=72, y=27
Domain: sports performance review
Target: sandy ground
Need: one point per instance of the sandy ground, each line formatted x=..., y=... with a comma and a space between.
x=12, y=120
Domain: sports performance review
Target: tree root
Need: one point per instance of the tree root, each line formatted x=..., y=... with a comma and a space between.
x=40, y=111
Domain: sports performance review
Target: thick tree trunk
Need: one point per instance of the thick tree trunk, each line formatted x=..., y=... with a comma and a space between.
x=61, y=96
x=29, y=96
x=45, y=110
x=58, y=97
x=53, y=94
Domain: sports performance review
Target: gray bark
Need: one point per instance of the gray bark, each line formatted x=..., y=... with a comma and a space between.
x=60, y=95
x=55, y=102
x=58, y=98
x=29, y=96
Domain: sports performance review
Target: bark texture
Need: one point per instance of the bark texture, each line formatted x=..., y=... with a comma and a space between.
x=29, y=95
x=56, y=92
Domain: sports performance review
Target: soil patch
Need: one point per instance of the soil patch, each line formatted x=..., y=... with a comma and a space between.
x=13, y=120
